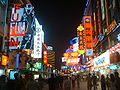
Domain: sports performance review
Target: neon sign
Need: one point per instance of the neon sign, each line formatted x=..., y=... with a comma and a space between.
x=111, y=26
x=81, y=39
x=88, y=35
x=45, y=58
x=21, y=27
x=118, y=37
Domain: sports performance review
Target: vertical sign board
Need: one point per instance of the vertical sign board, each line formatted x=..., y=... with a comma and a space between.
x=81, y=39
x=22, y=27
x=38, y=41
x=45, y=58
x=88, y=35
x=17, y=27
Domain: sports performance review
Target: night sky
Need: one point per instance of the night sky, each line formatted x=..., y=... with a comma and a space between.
x=60, y=19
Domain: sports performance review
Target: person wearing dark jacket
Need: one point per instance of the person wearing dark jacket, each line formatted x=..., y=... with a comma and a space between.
x=103, y=82
x=52, y=82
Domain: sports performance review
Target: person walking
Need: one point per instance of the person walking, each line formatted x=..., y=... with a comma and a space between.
x=117, y=80
x=112, y=82
x=103, y=82
x=89, y=81
x=67, y=83
x=78, y=81
x=94, y=81
x=52, y=82
x=73, y=81
x=108, y=82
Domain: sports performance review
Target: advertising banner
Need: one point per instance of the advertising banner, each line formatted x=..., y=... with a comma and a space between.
x=88, y=35
x=102, y=60
x=22, y=27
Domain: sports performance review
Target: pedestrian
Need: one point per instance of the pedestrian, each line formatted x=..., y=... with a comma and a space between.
x=108, y=82
x=73, y=81
x=112, y=82
x=94, y=81
x=67, y=83
x=32, y=84
x=117, y=80
x=3, y=82
x=89, y=81
x=78, y=81
x=61, y=81
x=103, y=82
x=52, y=82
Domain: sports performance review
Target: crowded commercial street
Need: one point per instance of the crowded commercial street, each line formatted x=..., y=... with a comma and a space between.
x=59, y=44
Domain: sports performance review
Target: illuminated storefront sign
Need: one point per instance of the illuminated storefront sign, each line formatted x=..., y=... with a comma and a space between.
x=102, y=60
x=81, y=39
x=37, y=65
x=17, y=29
x=71, y=54
x=74, y=42
x=88, y=35
x=38, y=42
x=72, y=61
x=45, y=58
x=4, y=60
x=111, y=26
x=22, y=23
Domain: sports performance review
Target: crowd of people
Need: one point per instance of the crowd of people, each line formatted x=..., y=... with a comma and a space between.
x=109, y=82
x=22, y=83
x=57, y=82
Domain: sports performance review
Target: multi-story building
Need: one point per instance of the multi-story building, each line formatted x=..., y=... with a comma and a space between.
x=106, y=34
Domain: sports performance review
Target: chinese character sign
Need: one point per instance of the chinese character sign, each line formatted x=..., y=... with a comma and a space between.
x=80, y=31
x=88, y=35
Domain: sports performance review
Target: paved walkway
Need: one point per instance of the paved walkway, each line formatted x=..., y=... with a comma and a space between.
x=82, y=86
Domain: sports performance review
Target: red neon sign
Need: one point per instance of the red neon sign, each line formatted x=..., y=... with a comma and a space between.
x=45, y=59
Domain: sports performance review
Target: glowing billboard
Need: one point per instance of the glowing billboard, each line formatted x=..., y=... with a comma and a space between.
x=45, y=57
x=38, y=41
x=80, y=31
x=72, y=61
x=88, y=35
x=4, y=60
x=22, y=27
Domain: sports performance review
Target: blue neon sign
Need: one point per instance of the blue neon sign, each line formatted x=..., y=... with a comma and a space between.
x=100, y=60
